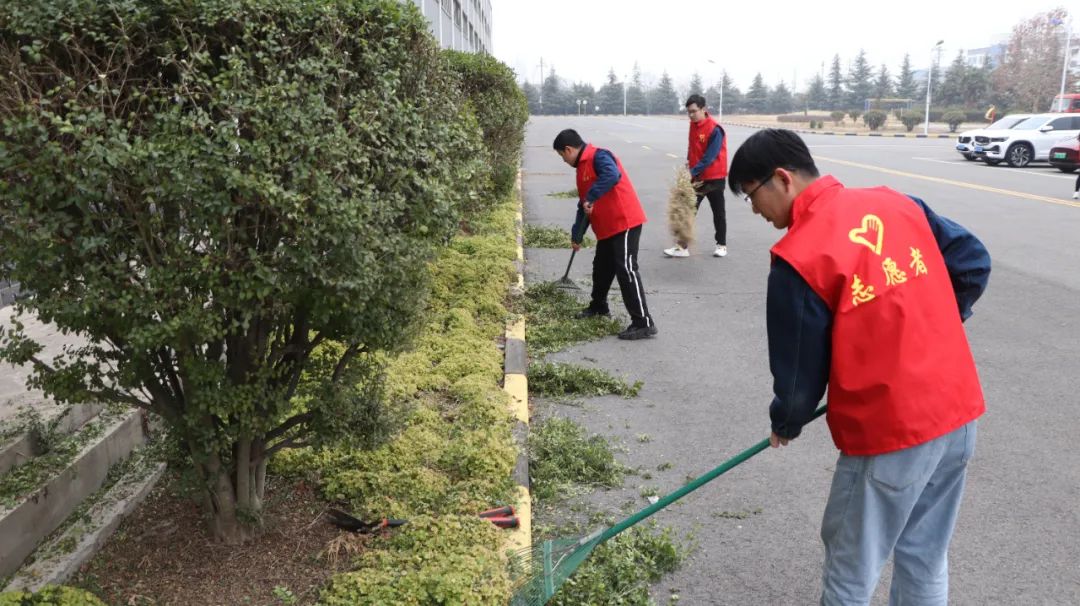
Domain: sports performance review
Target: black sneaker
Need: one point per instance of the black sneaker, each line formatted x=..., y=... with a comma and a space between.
x=589, y=312
x=633, y=333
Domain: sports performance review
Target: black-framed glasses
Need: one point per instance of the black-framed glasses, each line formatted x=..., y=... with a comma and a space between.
x=747, y=195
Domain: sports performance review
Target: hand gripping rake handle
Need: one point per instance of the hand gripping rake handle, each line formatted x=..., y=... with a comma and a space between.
x=685, y=490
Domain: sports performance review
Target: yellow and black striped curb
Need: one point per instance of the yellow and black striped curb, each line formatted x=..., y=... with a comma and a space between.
x=516, y=384
x=844, y=134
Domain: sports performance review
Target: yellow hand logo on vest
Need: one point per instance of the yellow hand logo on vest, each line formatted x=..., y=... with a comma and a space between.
x=872, y=226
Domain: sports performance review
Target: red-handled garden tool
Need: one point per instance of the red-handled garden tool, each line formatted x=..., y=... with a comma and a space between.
x=503, y=517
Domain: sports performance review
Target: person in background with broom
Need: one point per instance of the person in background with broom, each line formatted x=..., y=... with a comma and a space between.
x=607, y=200
x=866, y=296
x=706, y=157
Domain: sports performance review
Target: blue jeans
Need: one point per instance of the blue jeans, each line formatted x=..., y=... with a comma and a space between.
x=902, y=503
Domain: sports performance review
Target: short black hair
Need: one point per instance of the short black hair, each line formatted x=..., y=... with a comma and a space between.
x=568, y=138
x=697, y=100
x=764, y=152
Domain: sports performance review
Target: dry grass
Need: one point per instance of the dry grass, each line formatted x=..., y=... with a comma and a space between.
x=682, y=208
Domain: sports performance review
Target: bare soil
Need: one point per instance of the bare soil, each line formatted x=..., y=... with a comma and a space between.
x=162, y=555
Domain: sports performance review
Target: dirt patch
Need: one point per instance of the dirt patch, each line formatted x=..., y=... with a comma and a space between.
x=163, y=556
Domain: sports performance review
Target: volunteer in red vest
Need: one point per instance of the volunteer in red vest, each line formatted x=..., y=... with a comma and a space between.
x=867, y=293
x=607, y=200
x=706, y=156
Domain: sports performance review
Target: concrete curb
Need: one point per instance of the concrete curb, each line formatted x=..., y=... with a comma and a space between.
x=39, y=513
x=88, y=535
x=516, y=384
x=839, y=134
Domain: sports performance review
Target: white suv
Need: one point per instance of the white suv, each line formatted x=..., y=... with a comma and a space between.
x=967, y=140
x=1029, y=141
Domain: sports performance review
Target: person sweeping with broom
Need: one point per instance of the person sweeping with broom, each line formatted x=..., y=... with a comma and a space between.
x=866, y=296
x=706, y=157
x=607, y=200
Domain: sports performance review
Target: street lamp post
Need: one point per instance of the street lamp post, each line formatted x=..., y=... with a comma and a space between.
x=1065, y=64
x=720, y=104
x=929, y=85
x=624, y=95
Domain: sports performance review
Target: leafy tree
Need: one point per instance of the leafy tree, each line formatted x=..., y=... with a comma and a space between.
x=954, y=119
x=906, y=87
x=663, y=99
x=883, y=84
x=532, y=97
x=817, y=96
x=234, y=208
x=757, y=98
x=875, y=119
x=557, y=98
x=584, y=92
x=635, y=95
x=610, y=95
x=954, y=83
x=1031, y=69
x=731, y=96
x=859, y=84
x=696, y=87
x=836, y=85
x=780, y=100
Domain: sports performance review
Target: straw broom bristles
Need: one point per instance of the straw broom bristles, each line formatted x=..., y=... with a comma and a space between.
x=682, y=208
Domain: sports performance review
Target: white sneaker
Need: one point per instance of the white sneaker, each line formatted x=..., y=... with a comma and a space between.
x=721, y=251
x=1076, y=194
x=677, y=251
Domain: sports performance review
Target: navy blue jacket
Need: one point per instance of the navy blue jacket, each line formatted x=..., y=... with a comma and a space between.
x=712, y=150
x=800, y=323
x=607, y=175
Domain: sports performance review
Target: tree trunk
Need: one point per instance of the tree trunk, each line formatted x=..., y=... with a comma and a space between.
x=233, y=497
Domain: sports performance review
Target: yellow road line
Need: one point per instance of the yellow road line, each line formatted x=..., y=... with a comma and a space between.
x=975, y=186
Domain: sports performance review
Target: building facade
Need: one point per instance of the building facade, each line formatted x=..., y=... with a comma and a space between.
x=463, y=25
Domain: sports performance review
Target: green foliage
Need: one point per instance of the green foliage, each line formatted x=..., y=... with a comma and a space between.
x=837, y=117
x=210, y=190
x=854, y=114
x=570, y=194
x=875, y=119
x=53, y=595
x=560, y=379
x=446, y=560
x=549, y=313
x=621, y=570
x=547, y=236
x=501, y=111
x=954, y=119
x=910, y=120
x=454, y=450
x=561, y=457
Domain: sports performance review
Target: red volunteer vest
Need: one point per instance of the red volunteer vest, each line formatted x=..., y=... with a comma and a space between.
x=616, y=211
x=902, y=372
x=699, y=141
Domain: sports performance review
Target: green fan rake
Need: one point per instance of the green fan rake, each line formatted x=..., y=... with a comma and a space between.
x=540, y=570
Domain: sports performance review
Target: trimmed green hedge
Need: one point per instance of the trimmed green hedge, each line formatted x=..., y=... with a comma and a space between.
x=50, y=596
x=501, y=110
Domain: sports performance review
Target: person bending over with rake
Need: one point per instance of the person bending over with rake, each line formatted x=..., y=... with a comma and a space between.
x=867, y=293
x=607, y=200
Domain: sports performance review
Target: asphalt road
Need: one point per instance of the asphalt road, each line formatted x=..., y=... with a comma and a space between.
x=707, y=382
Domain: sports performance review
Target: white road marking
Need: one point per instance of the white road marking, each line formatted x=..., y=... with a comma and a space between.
x=975, y=186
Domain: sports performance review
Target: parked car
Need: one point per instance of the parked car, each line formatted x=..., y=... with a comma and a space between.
x=1029, y=141
x=966, y=142
x=1065, y=156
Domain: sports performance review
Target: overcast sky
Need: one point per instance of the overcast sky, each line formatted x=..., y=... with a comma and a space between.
x=786, y=41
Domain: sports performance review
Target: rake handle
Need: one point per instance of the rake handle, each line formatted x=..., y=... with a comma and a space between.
x=692, y=486
x=571, y=262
